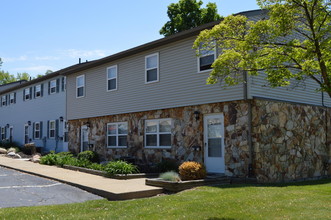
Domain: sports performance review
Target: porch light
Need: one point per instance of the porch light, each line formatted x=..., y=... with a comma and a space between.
x=61, y=119
x=7, y=125
x=87, y=124
x=196, y=115
x=29, y=123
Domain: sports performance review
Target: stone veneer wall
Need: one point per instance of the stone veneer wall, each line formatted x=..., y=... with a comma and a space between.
x=186, y=132
x=290, y=141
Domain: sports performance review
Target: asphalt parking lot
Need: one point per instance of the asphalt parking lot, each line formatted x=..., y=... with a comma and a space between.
x=20, y=189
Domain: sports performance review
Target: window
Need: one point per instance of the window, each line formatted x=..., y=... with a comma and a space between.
x=117, y=134
x=12, y=98
x=80, y=84
x=4, y=100
x=37, y=129
x=37, y=92
x=206, y=59
x=51, y=130
x=64, y=83
x=3, y=133
x=152, y=68
x=26, y=134
x=112, y=78
x=52, y=87
x=27, y=94
x=158, y=133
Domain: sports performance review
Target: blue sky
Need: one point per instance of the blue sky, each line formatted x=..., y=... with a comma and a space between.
x=39, y=35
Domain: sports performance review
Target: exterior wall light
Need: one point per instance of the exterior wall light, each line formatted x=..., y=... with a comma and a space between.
x=29, y=123
x=196, y=115
x=61, y=119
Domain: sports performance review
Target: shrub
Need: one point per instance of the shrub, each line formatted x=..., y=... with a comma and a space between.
x=49, y=159
x=64, y=158
x=167, y=165
x=170, y=176
x=191, y=170
x=96, y=166
x=120, y=167
x=88, y=155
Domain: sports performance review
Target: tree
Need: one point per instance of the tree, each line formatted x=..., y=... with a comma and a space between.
x=5, y=77
x=22, y=76
x=188, y=14
x=293, y=42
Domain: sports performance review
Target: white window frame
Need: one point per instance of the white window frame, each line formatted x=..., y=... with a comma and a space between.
x=117, y=135
x=51, y=129
x=4, y=100
x=110, y=78
x=27, y=95
x=83, y=86
x=208, y=53
x=35, y=131
x=52, y=85
x=157, y=68
x=12, y=98
x=38, y=89
x=158, y=133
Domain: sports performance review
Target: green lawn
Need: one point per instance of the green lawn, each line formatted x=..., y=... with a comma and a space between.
x=307, y=200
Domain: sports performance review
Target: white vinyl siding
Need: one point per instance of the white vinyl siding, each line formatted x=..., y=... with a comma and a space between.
x=112, y=78
x=117, y=135
x=158, y=133
x=152, y=68
x=80, y=86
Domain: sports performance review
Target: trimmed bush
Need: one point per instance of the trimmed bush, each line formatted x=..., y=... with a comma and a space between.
x=191, y=170
x=49, y=159
x=170, y=176
x=88, y=155
x=120, y=167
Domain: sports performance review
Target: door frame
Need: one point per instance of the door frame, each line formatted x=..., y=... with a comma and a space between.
x=218, y=160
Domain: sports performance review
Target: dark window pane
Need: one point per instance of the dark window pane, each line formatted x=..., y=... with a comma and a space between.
x=152, y=75
x=151, y=140
x=206, y=62
x=165, y=139
x=215, y=147
x=112, y=141
x=80, y=91
x=122, y=141
x=111, y=84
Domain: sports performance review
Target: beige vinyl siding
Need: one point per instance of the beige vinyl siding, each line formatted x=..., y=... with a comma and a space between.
x=301, y=92
x=179, y=84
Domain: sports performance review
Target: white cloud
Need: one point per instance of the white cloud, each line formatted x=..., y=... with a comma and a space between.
x=46, y=58
x=14, y=59
x=85, y=54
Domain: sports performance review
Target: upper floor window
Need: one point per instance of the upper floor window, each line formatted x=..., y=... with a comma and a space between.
x=27, y=93
x=4, y=100
x=152, y=68
x=112, y=78
x=37, y=91
x=64, y=83
x=52, y=87
x=12, y=98
x=206, y=59
x=158, y=133
x=80, y=85
x=117, y=134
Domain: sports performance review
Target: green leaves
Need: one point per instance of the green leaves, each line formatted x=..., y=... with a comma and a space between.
x=187, y=14
x=290, y=41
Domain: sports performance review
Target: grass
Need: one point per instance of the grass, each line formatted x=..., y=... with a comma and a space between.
x=307, y=200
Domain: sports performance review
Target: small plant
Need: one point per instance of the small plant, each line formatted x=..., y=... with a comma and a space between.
x=49, y=159
x=120, y=167
x=167, y=165
x=88, y=155
x=191, y=170
x=170, y=176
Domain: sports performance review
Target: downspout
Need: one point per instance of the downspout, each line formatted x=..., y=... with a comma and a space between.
x=249, y=136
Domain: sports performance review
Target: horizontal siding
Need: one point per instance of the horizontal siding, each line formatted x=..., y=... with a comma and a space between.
x=180, y=85
x=304, y=92
x=48, y=107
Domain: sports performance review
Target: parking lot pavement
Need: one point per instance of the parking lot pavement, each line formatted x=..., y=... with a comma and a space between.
x=19, y=189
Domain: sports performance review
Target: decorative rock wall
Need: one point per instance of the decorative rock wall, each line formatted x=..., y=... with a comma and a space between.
x=290, y=141
x=186, y=133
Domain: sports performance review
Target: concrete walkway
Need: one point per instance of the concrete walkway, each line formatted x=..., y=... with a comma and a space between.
x=111, y=189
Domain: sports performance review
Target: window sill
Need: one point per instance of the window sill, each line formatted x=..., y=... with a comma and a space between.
x=113, y=147
x=157, y=147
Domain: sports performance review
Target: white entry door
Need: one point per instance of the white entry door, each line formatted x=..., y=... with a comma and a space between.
x=214, y=143
x=84, y=138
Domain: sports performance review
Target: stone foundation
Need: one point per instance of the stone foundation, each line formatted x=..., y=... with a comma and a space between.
x=186, y=133
x=290, y=141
